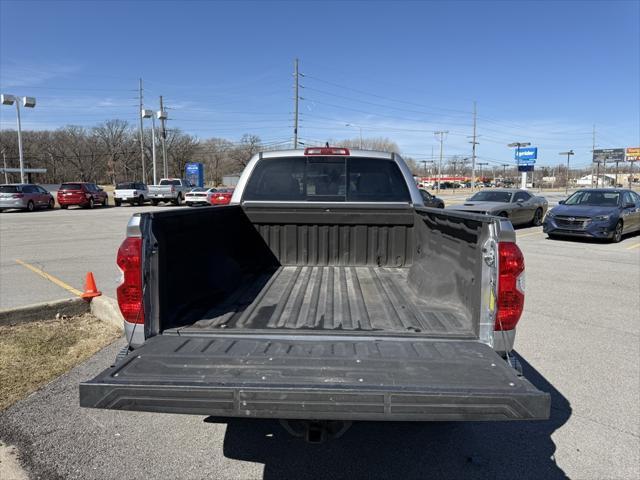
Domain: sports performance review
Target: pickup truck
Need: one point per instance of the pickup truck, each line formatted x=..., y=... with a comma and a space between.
x=131, y=193
x=324, y=293
x=169, y=190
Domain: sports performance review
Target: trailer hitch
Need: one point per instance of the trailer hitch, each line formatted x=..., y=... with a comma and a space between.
x=316, y=431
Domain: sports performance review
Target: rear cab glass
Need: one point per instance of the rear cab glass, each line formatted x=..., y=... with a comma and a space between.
x=126, y=186
x=169, y=182
x=71, y=186
x=327, y=179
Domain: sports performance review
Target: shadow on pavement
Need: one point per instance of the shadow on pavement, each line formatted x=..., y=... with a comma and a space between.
x=409, y=450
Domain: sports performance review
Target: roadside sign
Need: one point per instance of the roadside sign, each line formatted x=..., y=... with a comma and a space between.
x=195, y=174
x=632, y=154
x=525, y=168
x=526, y=153
x=609, y=155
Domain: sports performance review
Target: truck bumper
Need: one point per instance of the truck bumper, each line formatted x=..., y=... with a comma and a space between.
x=371, y=379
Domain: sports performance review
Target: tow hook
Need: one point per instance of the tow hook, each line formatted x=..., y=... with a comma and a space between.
x=316, y=431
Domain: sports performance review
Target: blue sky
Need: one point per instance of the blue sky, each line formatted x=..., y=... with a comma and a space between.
x=543, y=72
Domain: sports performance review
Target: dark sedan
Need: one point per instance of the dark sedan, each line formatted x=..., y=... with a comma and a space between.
x=431, y=200
x=519, y=206
x=595, y=213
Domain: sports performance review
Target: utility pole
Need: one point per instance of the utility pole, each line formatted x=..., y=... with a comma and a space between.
x=141, y=131
x=442, y=133
x=592, y=150
x=504, y=171
x=296, y=75
x=481, y=164
x=473, y=149
x=162, y=115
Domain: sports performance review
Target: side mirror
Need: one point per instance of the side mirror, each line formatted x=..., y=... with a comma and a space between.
x=561, y=202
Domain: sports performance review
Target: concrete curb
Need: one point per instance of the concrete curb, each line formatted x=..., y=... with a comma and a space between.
x=42, y=311
x=106, y=309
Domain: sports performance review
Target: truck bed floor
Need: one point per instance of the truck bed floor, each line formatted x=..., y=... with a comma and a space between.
x=331, y=298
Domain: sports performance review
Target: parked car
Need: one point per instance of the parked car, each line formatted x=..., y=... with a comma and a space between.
x=222, y=196
x=25, y=196
x=519, y=206
x=335, y=296
x=83, y=194
x=596, y=213
x=199, y=196
x=133, y=193
x=431, y=200
x=169, y=190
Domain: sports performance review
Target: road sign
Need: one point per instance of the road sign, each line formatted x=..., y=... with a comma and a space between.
x=632, y=154
x=526, y=153
x=525, y=168
x=608, y=155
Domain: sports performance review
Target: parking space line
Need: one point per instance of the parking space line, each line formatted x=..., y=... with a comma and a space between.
x=49, y=277
x=528, y=234
x=633, y=246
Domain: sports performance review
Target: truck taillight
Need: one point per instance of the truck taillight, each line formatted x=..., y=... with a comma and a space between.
x=510, y=286
x=129, y=292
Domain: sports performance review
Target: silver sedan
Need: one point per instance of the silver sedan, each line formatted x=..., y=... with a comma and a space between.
x=519, y=206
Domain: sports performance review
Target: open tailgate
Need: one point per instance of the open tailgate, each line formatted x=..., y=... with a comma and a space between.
x=318, y=379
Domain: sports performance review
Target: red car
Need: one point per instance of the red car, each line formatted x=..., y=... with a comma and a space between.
x=222, y=196
x=83, y=194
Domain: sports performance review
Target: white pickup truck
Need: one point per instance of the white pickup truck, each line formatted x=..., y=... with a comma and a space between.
x=332, y=295
x=169, y=190
x=134, y=193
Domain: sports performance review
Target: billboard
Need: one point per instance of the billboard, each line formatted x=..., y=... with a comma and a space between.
x=526, y=155
x=608, y=155
x=632, y=154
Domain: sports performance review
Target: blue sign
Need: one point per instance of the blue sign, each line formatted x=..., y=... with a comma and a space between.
x=525, y=168
x=194, y=172
x=526, y=155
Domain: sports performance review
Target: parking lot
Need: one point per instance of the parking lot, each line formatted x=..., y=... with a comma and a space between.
x=579, y=339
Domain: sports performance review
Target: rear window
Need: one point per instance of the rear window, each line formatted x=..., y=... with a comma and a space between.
x=71, y=186
x=169, y=182
x=10, y=189
x=328, y=179
x=222, y=190
x=126, y=186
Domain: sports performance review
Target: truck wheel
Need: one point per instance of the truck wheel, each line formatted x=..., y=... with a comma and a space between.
x=154, y=203
x=31, y=206
x=106, y=202
x=51, y=204
x=617, y=232
x=141, y=200
x=64, y=207
x=117, y=202
x=178, y=199
x=537, y=218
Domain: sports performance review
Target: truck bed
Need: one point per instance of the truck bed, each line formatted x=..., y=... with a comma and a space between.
x=331, y=298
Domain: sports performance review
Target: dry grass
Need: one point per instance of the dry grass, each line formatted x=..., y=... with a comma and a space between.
x=33, y=354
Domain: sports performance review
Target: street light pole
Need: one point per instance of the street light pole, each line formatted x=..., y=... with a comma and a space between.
x=568, y=154
x=442, y=133
x=29, y=102
x=149, y=114
x=4, y=159
x=359, y=128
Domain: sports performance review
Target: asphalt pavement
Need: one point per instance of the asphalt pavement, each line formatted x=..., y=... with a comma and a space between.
x=579, y=339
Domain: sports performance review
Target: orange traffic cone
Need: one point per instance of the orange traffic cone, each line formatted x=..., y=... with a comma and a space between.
x=90, y=289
